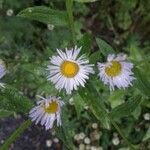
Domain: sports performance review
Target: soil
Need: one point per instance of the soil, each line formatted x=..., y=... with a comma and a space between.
x=34, y=138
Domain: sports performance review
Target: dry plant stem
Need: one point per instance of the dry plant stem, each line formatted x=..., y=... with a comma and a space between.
x=15, y=134
x=69, y=4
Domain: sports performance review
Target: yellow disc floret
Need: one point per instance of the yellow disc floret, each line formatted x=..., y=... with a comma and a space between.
x=114, y=69
x=69, y=69
x=52, y=108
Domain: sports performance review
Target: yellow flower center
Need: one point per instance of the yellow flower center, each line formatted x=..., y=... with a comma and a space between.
x=69, y=69
x=52, y=108
x=114, y=69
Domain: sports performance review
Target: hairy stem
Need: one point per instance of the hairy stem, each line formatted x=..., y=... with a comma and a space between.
x=69, y=4
x=15, y=135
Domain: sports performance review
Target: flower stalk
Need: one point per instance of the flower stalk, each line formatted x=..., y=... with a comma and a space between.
x=16, y=134
x=69, y=4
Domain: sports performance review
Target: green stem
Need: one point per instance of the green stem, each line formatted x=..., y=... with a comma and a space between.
x=15, y=135
x=100, y=108
x=69, y=4
x=132, y=147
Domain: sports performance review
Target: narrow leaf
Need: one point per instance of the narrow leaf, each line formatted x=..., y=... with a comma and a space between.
x=45, y=15
x=104, y=47
x=5, y=113
x=86, y=42
x=147, y=135
x=142, y=83
x=126, y=108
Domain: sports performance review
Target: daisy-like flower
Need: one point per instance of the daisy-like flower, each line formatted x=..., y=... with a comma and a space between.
x=116, y=71
x=68, y=70
x=2, y=71
x=47, y=111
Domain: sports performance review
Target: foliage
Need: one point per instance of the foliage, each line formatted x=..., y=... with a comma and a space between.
x=31, y=34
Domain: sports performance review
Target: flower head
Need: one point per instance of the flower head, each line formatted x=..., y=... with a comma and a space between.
x=116, y=71
x=68, y=71
x=47, y=111
x=2, y=71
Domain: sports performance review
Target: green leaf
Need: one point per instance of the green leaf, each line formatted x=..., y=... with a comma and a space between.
x=147, y=135
x=126, y=108
x=104, y=47
x=90, y=96
x=86, y=42
x=65, y=132
x=95, y=57
x=116, y=98
x=5, y=113
x=78, y=104
x=12, y=100
x=142, y=83
x=45, y=15
x=136, y=113
x=85, y=1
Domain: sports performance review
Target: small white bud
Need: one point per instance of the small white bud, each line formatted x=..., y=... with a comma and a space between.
x=88, y=147
x=48, y=143
x=81, y=146
x=146, y=116
x=77, y=137
x=55, y=140
x=87, y=140
x=115, y=141
x=81, y=135
x=93, y=148
x=50, y=27
x=94, y=125
x=9, y=12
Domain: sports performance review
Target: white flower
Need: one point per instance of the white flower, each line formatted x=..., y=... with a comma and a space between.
x=2, y=71
x=116, y=71
x=68, y=71
x=47, y=111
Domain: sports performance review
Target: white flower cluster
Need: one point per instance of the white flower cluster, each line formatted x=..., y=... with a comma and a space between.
x=68, y=70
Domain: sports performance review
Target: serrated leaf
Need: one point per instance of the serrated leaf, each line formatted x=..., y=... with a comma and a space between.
x=126, y=108
x=104, y=47
x=5, y=113
x=45, y=15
